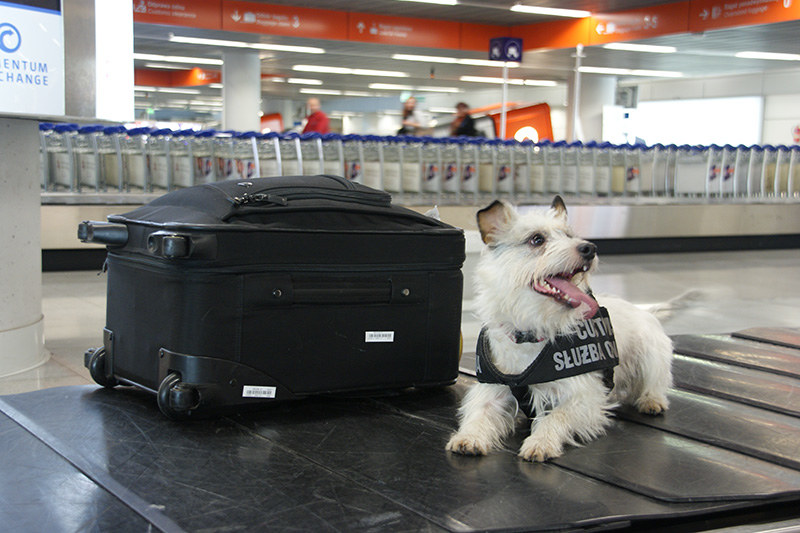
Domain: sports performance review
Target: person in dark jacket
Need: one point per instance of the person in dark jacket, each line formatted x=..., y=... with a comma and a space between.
x=463, y=124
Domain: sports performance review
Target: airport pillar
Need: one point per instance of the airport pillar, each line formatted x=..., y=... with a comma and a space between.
x=597, y=90
x=241, y=90
x=21, y=321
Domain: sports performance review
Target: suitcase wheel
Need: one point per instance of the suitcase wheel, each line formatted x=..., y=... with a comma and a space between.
x=176, y=399
x=96, y=363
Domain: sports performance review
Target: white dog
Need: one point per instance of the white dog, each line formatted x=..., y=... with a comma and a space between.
x=532, y=291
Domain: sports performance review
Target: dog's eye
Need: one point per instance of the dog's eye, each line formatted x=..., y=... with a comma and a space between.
x=536, y=240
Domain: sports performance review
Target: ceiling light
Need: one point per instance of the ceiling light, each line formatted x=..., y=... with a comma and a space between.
x=206, y=103
x=309, y=90
x=144, y=88
x=304, y=81
x=541, y=83
x=165, y=66
x=440, y=2
x=630, y=72
x=358, y=93
x=390, y=87
x=322, y=68
x=631, y=47
x=449, y=110
x=215, y=86
x=511, y=81
x=768, y=55
x=425, y=89
x=240, y=44
x=552, y=11
x=488, y=79
x=427, y=59
x=386, y=73
x=355, y=71
x=487, y=63
x=453, y=60
x=177, y=90
x=420, y=88
x=178, y=59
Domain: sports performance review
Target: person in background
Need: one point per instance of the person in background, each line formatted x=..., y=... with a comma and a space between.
x=317, y=120
x=411, y=121
x=463, y=124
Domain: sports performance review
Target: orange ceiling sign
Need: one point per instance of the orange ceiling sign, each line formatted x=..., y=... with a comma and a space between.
x=284, y=20
x=192, y=13
x=639, y=23
x=403, y=31
x=196, y=76
x=711, y=15
x=477, y=36
x=176, y=78
x=553, y=35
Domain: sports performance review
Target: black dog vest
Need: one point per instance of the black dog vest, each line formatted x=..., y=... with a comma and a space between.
x=592, y=347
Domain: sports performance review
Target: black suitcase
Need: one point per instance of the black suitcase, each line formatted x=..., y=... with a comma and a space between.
x=240, y=292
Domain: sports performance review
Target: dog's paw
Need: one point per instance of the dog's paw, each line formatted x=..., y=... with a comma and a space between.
x=538, y=450
x=467, y=445
x=649, y=405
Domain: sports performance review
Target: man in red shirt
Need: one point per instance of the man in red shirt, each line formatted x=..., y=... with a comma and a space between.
x=317, y=120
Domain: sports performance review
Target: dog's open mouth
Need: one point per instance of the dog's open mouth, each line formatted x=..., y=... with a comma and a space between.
x=561, y=289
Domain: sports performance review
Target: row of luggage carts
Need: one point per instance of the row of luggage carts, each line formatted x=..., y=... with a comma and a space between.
x=95, y=159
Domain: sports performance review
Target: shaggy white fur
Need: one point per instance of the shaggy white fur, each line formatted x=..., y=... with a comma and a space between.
x=523, y=252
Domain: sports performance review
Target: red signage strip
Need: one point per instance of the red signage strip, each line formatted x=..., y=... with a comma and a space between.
x=553, y=35
x=477, y=36
x=291, y=21
x=175, y=78
x=404, y=31
x=640, y=23
x=714, y=14
x=193, y=13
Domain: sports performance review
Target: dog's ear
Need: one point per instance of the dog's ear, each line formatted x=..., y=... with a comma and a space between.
x=558, y=208
x=494, y=219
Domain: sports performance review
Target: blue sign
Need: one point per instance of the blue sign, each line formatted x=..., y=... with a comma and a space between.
x=505, y=49
x=10, y=39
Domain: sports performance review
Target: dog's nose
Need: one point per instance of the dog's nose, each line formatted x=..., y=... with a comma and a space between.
x=587, y=250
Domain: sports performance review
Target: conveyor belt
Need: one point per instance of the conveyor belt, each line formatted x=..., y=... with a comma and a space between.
x=789, y=337
x=102, y=459
x=745, y=353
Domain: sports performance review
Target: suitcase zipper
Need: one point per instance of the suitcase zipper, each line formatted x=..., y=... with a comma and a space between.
x=160, y=264
x=282, y=196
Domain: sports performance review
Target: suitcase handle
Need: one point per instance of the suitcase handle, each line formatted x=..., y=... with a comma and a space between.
x=342, y=293
x=284, y=289
x=103, y=233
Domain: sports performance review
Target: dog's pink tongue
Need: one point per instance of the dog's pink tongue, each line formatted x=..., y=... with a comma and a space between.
x=575, y=296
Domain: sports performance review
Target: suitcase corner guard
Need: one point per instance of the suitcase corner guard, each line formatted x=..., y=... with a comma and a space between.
x=194, y=386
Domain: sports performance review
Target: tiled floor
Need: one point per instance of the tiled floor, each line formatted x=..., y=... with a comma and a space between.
x=744, y=289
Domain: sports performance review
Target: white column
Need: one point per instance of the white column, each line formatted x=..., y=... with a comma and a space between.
x=241, y=90
x=98, y=40
x=21, y=325
x=596, y=91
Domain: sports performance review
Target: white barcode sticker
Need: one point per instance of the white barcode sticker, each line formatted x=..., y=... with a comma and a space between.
x=379, y=336
x=253, y=391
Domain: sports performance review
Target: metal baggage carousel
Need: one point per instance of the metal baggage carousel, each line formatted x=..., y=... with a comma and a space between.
x=727, y=453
